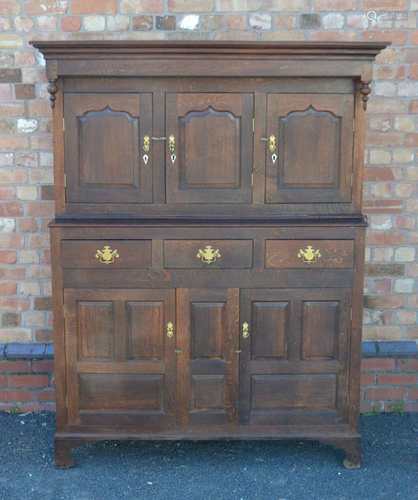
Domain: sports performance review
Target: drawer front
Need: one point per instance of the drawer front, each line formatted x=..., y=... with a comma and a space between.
x=106, y=254
x=335, y=254
x=208, y=254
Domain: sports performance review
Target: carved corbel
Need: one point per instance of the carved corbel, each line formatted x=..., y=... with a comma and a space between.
x=365, y=90
x=52, y=74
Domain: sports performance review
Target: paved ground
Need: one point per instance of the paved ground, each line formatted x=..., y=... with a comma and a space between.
x=209, y=471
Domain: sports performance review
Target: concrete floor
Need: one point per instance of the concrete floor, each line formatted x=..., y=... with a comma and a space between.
x=209, y=470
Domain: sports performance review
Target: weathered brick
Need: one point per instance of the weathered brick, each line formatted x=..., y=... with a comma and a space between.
x=141, y=6
x=19, y=366
x=34, y=7
x=385, y=270
x=259, y=21
x=190, y=5
x=94, y=23
x=43, y=366
x=167, y=23
x=376, y=364
x=43, y=303
x=71, y=23
x=94, y=7
x=142, y=23
x=386, y=393
x=309, y=21
x=397, y=379
x=32, y=381
x=10, y=319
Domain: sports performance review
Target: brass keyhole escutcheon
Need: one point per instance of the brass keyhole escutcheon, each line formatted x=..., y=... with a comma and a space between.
x=172, y=148
x=170, y=330
x=106, y=255
x=146, y=146
x=309, y=255
x=208, y=255
x=245, y=330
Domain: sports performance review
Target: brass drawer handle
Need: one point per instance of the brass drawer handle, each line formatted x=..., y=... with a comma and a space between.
x=208, y=255
x=245, y=330
x=106, y=255
x=146, y=146
x=172, y=148
x=309, y=255
x=170, y=330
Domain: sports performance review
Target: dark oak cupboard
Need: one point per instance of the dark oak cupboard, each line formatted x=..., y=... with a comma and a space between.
x=208, y=243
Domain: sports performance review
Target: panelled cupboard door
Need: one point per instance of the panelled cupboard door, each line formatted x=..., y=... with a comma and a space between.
x=209, y=147
x=207, y=341
x=108, y=157
x=120, y=360
x=293, y=365
x=309, y=149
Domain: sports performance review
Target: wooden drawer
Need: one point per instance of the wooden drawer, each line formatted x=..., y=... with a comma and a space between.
x=208, y=254
x=308, y=254
x=106, y=254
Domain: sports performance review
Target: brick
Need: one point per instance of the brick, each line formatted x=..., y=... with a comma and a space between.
x=34, y=7
x=10, y=319
x=333, y=21
x=404, y=285
x=46, y=395
x=141, y=6
x=11, y=209
x=413, y=392
x=15, y=335
x=19, y=366
x=16, y=396
x=43, y=303
x=385, y=393
x=10, y=75
x=24, y=24
x=377, y=364
x=94, y=23
x=71, y=23
x=117, y=23
x=309, y=21
x=190, y=5
x=259, y=21
x=9, y=7
x=94, y=7
x=367, y=379
x=43, y=366
x=33, y=381
x=142, y=23
x=167, y=23
x=386, y=5
x=385, y=270
x=397, y=379
x=405, y=254
x=43, y=335
x=7, y=257
x=334, y=5
x=25, y=91
x=47, y=23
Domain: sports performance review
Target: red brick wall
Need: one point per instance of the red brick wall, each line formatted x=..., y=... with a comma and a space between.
x=391, y=173
x=388, y=384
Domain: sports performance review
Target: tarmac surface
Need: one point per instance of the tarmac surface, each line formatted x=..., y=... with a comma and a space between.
x=230, y=470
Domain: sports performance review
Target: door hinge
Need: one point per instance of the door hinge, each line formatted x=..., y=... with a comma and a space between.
x=252, y=178
x=65, y=180
x=351, y=313
x=63, y=124
x=253, y=125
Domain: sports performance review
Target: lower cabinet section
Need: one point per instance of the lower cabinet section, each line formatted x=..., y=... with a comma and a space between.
x=165, y=359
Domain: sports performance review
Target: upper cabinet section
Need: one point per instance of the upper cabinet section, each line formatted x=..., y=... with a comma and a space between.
x=208, y=129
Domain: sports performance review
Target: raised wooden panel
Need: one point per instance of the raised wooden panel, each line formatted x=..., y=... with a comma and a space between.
x=102, y=160
x=314, y=165
x=81, y=254
x=131, y=378
x=208, y=392
x=311, y=392
x=314, y=135
x=183, y=254
x=145, y=330
x=209, y=137
x=103, y=391
x=332, y=254
x=103, y=144
x=95, y=329
x=214, y=147
x=320, y=324
x=207, y=338
x=208, y=327
x=269, y=329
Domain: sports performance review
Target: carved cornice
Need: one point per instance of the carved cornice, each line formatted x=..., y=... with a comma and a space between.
x=365, y=90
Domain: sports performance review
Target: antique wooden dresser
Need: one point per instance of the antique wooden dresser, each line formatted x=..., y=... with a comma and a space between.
x=208, y=243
